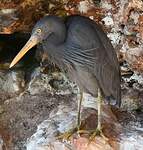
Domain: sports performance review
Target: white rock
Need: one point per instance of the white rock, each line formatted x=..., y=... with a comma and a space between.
x=134, y=16
x=1, y=143
x=62, y=120
x=108, y=20
x=133, y=142
x=137, y=77
x=106, y=5
x=7, y=11
x=12, y=82
x=83, y=6
x=115, y=38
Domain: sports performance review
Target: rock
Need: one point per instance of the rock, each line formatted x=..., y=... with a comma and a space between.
x=5, y=139
x=46, y=100
x=132, y=88
x=1, y=110
x=64, y=118
x=84, y=6
x=12, y=12
x=134, y=56
x=39, y=82
x=141, y=26
x=1, y=143
x=47, y=131
x=124, y=9
x=33, y=105
x=12, y=82
x=130, y=100
x=108, y=21
x=132, y=142
x=55, y=111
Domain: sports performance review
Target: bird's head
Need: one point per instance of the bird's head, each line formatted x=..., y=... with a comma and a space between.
x=41, y=31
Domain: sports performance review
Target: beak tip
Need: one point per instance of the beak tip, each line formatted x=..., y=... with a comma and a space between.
x=30, y=43
x=11, y=65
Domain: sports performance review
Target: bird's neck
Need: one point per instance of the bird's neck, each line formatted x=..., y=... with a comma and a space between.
x=54, y=48
x=54, y=44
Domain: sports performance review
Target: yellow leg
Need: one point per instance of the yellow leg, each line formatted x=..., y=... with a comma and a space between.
x=79, y=111
x=66, y=135
x=69, y=133
x=98, y=130
x=99, y=103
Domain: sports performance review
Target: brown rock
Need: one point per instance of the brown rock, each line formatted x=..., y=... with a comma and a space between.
x=134, y=56
x=20, y=15
x=141, y=26
x=5, y=139
x=98, y=144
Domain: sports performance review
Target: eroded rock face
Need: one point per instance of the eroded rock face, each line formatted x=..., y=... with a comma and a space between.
x=11, y=83
x=14, y=18
x=124, y=28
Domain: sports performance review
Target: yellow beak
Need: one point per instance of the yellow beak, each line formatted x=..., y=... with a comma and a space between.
x=31, y=43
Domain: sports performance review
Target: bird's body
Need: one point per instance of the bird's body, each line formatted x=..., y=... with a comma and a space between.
x=79, y=46
x=88, y=56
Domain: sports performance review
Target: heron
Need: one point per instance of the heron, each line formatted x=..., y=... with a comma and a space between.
x=80, y=46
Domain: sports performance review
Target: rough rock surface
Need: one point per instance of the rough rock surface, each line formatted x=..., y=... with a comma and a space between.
x=37, y=104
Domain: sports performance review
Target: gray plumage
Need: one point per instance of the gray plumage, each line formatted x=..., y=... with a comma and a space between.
x=81, y=47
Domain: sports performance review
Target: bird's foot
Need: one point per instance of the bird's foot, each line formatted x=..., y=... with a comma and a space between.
x=98, y=132
x=77, y=131
x=83, y=132
x=65, y=136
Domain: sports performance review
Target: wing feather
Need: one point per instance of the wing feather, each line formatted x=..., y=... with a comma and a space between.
x=87, y=46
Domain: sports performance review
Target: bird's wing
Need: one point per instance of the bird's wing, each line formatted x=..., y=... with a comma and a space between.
x=90, y=48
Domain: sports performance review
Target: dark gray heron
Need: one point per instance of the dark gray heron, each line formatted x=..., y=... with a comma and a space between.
x=81, y=47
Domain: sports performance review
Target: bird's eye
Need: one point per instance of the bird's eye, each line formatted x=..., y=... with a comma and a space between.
x=39, y=30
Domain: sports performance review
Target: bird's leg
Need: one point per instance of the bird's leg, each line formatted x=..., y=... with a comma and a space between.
x=79, y=111
x=98, y=130
x=68, y=134
x=99, y=103
x=79, y=130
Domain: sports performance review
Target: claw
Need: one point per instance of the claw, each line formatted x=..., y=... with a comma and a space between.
x=65, y=136
x=83, y=132
x=98, y=132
